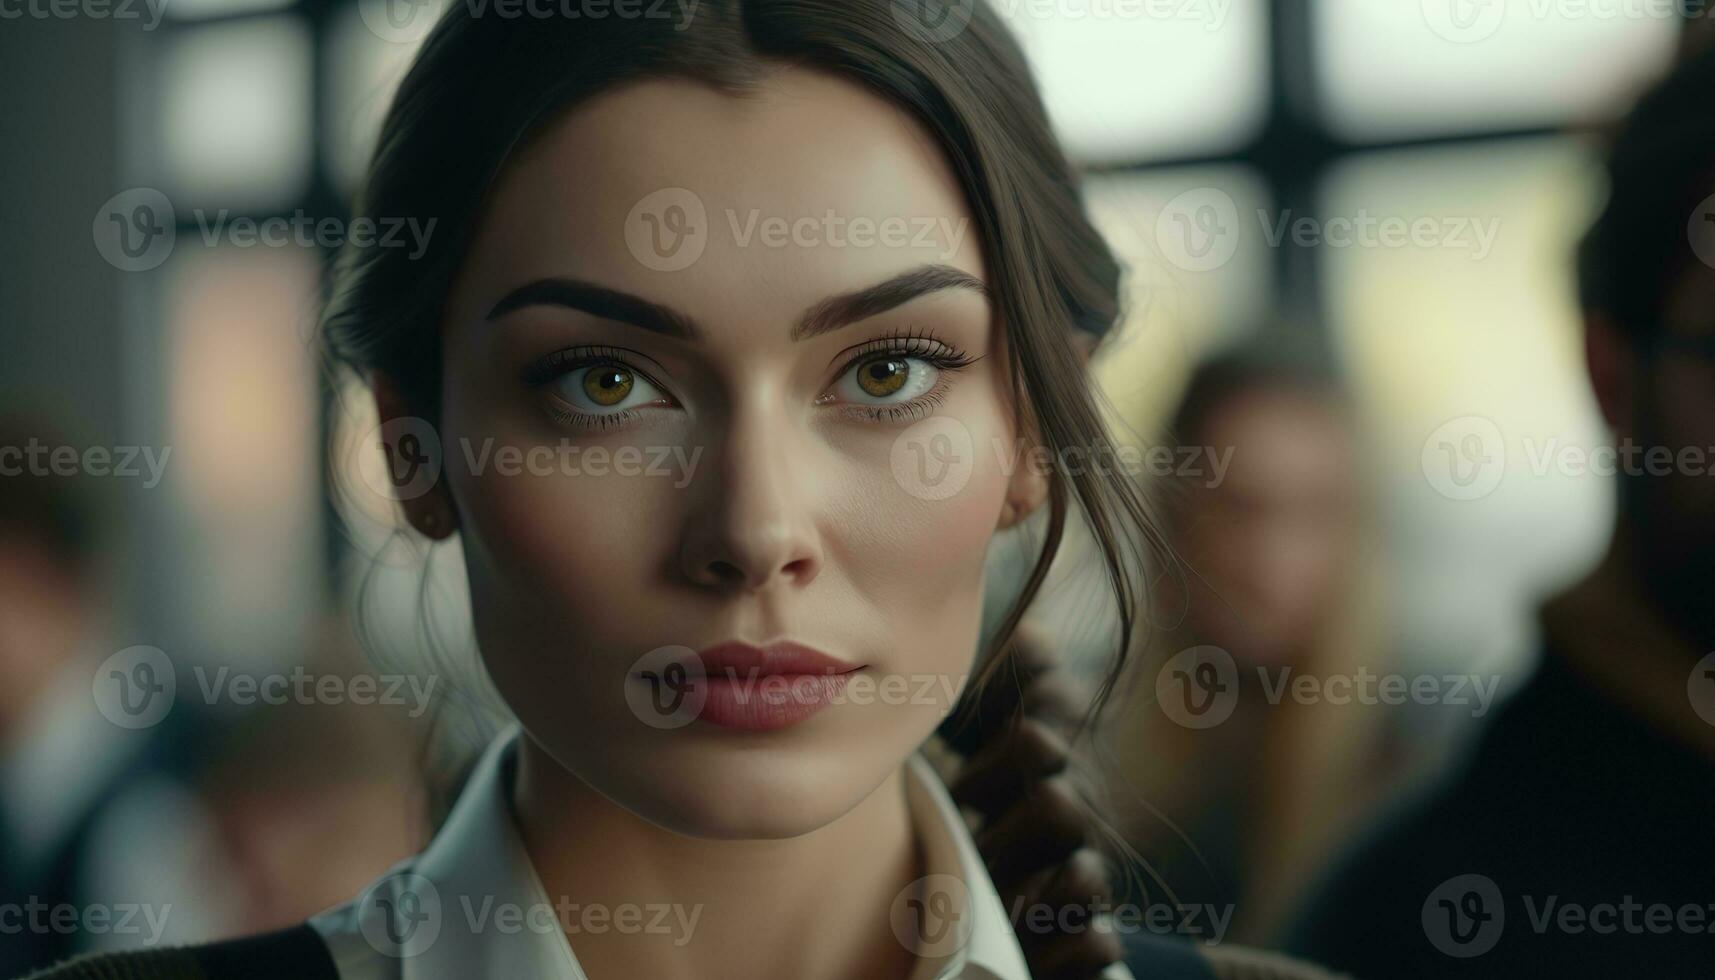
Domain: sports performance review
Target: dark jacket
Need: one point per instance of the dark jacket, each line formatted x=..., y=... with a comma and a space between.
x=1543, y=856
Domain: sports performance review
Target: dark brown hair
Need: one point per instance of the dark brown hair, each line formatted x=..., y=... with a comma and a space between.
x=1660, y=163
x=483, y=85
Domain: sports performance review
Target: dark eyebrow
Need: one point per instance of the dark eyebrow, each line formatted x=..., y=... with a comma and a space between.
x=828, y=315
x=609, y=304
x=837, y=311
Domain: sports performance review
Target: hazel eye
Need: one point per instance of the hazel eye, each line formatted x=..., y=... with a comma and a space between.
x=608, y=385
x=601, y=389
x=887, y=380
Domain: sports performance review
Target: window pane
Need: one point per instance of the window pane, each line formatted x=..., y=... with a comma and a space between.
x=1146, y=79
x=1466, y=360
x=242, y=417
x=1390, y=69
x=236, y=102
x=1198, y=270
x=364, y=70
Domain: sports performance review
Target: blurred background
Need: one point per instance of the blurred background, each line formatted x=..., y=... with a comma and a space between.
x=1356, y=215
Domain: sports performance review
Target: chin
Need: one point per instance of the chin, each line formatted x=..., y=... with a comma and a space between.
x=735, y=793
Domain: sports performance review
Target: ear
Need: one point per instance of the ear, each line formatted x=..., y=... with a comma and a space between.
x=413, y=451
x=1027, y=488
x=1084, y=344
x=1029, y=485
x=1611, y=359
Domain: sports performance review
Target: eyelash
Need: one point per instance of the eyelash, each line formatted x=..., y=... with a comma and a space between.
x=589, y=420
x=917, y=344
x=555, y=365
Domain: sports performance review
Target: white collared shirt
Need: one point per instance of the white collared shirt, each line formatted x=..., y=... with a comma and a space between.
x=435, y=916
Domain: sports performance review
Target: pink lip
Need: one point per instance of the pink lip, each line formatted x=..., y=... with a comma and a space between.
x=784, y=657
x=759, y=689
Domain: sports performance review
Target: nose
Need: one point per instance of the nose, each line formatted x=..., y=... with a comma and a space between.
x=751, y=525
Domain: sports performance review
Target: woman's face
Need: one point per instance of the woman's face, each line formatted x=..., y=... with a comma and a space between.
x=689, y=361
x=1274, y=539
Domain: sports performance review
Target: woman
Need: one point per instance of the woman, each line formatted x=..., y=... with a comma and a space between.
x=1282, y=584
x=733, y=323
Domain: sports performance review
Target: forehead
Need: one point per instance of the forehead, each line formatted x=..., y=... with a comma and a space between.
x=1280, y=438
x=744, y=207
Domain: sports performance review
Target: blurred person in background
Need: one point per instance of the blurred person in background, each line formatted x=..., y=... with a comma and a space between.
x=193, y=828
x=1269, y=524
x=1575, y=841
x=82, y=799
x=305, y=802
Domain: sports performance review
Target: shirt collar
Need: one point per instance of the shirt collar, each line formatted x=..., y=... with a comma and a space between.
x=432, y=917
x=986, y=947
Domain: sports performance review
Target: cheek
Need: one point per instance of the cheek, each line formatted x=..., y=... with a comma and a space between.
x=1686, y=406
x=563, y=597
x=918, y=557
x=581, y=544
x=551, y=519
x=1683, y=419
